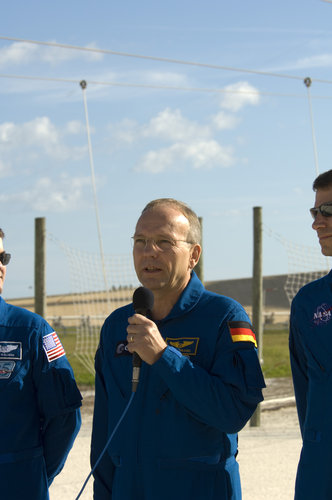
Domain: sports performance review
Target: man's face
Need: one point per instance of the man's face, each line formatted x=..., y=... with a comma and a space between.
x=166, y=270
x=2, y=268
x=323, y=225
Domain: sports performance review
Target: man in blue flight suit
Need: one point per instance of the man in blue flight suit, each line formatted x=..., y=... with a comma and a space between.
x=311, y=361
x=200, y=378
x=40, y=415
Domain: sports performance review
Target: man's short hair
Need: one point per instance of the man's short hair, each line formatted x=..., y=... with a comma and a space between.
x=323, y=181
x=195, y=231
x=2, y=234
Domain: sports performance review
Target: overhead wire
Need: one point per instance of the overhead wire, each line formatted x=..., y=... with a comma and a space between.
x=306, y=80
x=159, y=87
x=83, y=85
x=307, y=83
x=160, y=59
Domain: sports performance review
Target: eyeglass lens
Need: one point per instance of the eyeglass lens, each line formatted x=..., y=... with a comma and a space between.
x=5, y=258
x=325, y=209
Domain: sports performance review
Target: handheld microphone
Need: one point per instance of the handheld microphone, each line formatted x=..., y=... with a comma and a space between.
x=143, y=303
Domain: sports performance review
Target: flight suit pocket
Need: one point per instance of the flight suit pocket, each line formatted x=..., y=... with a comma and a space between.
x=251, y=368
x=312, y=436
x=185, y=479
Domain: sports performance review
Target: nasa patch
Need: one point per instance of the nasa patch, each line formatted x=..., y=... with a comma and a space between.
x=322, y=315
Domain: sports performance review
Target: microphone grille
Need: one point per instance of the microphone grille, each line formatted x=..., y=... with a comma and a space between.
x=143, y=299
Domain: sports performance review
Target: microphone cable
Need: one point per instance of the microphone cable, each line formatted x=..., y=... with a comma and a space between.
x=107, y=444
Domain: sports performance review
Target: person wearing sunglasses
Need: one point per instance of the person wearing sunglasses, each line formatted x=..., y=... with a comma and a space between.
x=310, y=344
x=39, y=401
x=200, y=379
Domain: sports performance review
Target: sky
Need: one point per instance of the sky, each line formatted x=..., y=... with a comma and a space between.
x=200, y=101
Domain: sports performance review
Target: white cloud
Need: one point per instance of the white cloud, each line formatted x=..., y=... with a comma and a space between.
x=49, y=196
x=155, y=162
x=32, y=149
x=208, y=154
x=27, y=53
x=165, y=78
x=318, y=61
x=170, y=124
x=201, y=154
x=323, y=60
x=39, y=131
x=127, y=131
x=239, y=95
x=17, y=53
x=75, y=127
x=7, y=131
x=56, y=55
x=187, y=142
x=39, y=136
x=224, y=121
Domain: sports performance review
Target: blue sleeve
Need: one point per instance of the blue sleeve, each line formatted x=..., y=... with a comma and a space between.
x=299, y=369
x=59, y=434
x=226, y=395
x=59, y=400
x=103, y=474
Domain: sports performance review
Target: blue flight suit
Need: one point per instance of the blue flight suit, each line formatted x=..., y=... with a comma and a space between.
x=179, y=438
x=39, y=415
x=310, y=344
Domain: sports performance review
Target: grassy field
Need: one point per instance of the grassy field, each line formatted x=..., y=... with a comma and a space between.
x=82, y=375
x=275, y=355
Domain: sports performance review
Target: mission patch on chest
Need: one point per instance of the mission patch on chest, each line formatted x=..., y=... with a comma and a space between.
x=6, y=368
x=186, y=345
x=10, y=349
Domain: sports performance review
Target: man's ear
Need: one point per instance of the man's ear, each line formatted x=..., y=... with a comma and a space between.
x=195, y=255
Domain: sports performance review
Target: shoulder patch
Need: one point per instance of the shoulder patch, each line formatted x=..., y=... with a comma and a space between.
x=53, y=347
x=241, y=331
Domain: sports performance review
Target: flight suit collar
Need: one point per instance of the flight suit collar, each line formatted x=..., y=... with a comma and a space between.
x=2, y=305
x=188, y=299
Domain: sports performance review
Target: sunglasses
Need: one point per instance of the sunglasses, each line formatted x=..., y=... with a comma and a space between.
x=5, y=258
x=325, y=209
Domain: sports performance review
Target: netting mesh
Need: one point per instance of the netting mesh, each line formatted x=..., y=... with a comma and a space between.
x=97, y=290
x=305, y=264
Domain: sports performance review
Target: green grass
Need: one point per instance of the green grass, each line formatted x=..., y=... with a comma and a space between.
x=82, y=375
x=275, y=354
x=68, y=339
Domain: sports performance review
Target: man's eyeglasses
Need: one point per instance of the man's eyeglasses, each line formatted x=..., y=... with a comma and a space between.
x=5, y=258
x=162, y=244
x=325, y=209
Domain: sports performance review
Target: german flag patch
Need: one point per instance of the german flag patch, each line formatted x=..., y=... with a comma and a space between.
x=241, y=331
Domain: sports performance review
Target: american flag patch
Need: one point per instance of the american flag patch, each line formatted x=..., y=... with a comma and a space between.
x=241, y=331
x=53, y=347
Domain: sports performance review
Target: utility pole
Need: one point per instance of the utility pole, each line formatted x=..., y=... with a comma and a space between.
x=257, y=294
x=40, y=266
